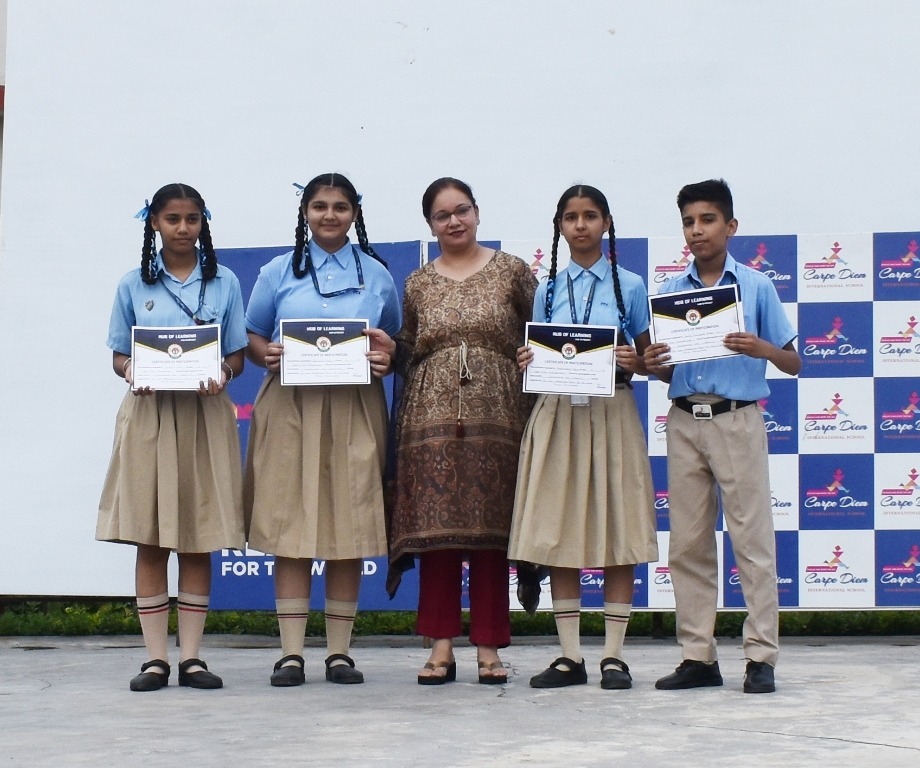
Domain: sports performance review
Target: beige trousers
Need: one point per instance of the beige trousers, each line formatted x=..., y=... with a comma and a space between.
x=728, y=455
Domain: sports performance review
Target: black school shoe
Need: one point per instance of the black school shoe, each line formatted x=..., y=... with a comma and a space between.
x=530, y=576
x=691, y=674
x=554, y=677
x=290, y=675
x=200, y=678
x=758, y=678
x=615, y=675
x=342, y=673
x=151, y=681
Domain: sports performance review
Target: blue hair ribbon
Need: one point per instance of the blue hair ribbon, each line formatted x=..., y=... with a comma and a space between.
x=144, y=212
x=207, y=213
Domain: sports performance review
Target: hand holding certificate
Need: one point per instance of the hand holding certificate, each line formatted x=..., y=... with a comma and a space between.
x=324, y=351
x=571, y=359
x=694, y=323
x=175, y=358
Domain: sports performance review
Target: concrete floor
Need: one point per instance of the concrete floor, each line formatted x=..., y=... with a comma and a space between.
x=840, y=702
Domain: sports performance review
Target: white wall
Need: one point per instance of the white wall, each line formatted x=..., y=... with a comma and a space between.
x=809, y=109
x=3, y=4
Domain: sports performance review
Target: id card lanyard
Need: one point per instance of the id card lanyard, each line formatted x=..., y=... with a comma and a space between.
x=588, y=303
x=194, y=316
x=342, y=291
x=580, y=399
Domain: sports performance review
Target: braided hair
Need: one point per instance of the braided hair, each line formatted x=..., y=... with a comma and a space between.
x=149, y=250
x=551, y=282
x=301, y=261
x=597, y=197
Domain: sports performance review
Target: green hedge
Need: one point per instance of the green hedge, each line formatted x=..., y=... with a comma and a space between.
x=32, y=617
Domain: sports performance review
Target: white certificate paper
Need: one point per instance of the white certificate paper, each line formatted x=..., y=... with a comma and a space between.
x=324, y=352
x=175, y=358
x=571, y=359
x=694, y=323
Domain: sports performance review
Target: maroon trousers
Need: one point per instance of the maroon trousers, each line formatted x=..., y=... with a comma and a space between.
x=440, y=576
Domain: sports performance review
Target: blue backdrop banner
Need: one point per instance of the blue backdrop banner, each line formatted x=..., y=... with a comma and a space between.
x=844, y=436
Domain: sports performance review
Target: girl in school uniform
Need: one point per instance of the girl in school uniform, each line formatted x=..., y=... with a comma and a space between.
x=584, y=495
x=174, y=481
x=314, y=471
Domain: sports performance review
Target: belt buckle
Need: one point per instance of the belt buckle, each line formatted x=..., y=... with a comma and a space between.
x=702, y=411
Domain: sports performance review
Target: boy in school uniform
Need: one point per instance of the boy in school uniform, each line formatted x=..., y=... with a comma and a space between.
x=717, y=443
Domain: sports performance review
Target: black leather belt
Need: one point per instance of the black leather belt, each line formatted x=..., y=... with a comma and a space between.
x=708, y=410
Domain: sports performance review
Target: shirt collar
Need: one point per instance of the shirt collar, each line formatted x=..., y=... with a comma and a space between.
x=600, y=268
x=342, y=257
x=195, y=274
x=730, y=268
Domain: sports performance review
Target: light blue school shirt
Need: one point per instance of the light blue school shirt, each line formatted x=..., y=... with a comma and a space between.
x=137, y=303
x=739, y=377
x=604, y=309
x=280, y=295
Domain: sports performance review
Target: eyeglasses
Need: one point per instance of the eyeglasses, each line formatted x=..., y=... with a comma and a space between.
x=461, y=212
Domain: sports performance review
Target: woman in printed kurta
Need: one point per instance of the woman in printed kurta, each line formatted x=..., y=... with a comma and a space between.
x=459, y=431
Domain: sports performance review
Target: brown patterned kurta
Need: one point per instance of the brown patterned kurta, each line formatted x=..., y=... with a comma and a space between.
x=455, y=483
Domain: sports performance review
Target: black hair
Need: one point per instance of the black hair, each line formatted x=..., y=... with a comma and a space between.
x=596, y=197
x=439, y=185
x=157, y=203
x=302, y=260
x=713, y=191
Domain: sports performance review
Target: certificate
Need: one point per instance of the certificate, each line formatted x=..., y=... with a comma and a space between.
x=571, y=359
x=324, y=352
x=175, y=358
x=694, y=323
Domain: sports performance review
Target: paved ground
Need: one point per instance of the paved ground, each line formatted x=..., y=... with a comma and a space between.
x=65, y=702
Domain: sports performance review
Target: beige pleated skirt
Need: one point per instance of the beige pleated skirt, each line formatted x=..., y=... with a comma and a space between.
x=584, y=495
x=175, y=477
x=313, y=486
